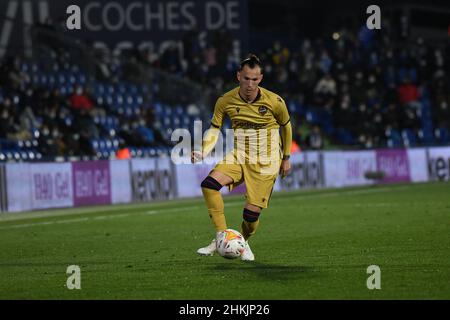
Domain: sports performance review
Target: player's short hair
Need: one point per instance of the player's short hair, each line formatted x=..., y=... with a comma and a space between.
x=251, y=61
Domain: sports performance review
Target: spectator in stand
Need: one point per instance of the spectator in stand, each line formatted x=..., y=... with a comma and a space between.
x=314, y=139
x=10, y=124
x=223, y=42
x=79, y=100
x=193, y=110
x=191, y=45
x=326, y=86
x=12, y=77
x=408, y=93
x=171, y=59
x=84, y=144
x=123, y=152
x=50, y=142
x=442, y=114
x=28, y=120
x=84, y=124
x=295, y=148
x=391, y=115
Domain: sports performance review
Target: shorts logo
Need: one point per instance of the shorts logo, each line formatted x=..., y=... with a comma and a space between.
x=262, y=110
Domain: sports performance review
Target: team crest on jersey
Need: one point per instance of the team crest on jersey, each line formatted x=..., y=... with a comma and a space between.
x=262, y=110
x=238, y=109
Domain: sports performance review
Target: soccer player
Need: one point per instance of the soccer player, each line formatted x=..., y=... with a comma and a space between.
x=258, y=156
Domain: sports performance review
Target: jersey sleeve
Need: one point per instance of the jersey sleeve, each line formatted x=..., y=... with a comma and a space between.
x=212, y=134
x=281, y=112
x=219, y=113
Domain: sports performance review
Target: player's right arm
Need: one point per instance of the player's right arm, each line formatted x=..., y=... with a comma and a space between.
x=212, y=134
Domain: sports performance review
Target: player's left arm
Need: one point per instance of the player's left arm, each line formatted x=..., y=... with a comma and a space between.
x=282, y=116
x=286, y=136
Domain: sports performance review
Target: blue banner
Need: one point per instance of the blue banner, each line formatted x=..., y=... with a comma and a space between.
x=124, y=23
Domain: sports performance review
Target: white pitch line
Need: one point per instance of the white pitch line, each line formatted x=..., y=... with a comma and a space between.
x=230, y=204
x=63, y=221
x=334, y=194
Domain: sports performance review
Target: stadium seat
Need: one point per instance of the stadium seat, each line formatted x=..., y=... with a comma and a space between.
x=132, y=88
x=71, y=79
x=24, y=67
x=109, y=101
x=121, y=88
x=344, y=136
x=176, y=122
x=442, y=135
x=129, y=101
x=118, y=99
x=158, y=108
x=99, y=89
x=80, y=78
x=409, y=138
x=110, y=89
x=426, y=136
x=94, y=144
x=31, y=155
x=61, y=78
x=394, y=138
x=128, y=112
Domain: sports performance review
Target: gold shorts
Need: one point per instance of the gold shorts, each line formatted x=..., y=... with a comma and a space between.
x=259, y=179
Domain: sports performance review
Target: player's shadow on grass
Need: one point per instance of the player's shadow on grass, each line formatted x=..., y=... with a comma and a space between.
x=265, y=270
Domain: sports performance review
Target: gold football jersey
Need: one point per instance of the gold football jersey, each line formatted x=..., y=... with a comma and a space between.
x=255, y=124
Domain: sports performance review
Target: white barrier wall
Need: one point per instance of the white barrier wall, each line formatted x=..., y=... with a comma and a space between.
x=348, y=168
x=189, y=177
x=307, y=171
x=51, y=185
x=438, y=164
x=153, y=179
x=18, y=182
x=120, y=181
x=31, y=186
x=418, y=165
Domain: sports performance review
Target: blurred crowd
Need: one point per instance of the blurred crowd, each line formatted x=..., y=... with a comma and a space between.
x=365, y=81
x=65, y=124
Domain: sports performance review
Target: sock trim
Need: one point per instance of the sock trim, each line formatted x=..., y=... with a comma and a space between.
x=250, y=216
x=211, y=183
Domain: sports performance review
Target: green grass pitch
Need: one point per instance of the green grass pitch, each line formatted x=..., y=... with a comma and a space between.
x=310, y=245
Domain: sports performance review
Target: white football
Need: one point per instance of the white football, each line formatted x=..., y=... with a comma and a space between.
x=230, y=244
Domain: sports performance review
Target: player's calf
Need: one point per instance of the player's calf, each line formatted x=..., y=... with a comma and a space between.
x=250, y=223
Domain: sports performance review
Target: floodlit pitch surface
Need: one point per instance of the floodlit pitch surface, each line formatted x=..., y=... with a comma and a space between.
x=310, y=245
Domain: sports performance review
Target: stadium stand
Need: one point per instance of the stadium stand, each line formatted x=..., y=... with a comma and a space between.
x=360, y=89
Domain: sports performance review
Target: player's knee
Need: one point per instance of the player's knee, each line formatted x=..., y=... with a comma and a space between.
x=250, y=216
x=211, y=183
